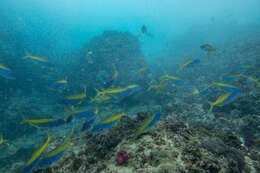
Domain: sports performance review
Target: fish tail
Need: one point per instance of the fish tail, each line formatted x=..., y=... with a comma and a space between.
x=211, y=107
x=24, y=120
x=98, y=92
x=96, y=111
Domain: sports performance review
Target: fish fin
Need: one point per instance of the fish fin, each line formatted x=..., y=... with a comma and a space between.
x=34, y=125
x=96, y=111
x=209, y=54
x=72, y=108
x=27, y=54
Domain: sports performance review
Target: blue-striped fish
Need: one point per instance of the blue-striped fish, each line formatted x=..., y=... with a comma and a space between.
x=45, y=122
x=225, y=99
x=107, y=123
x=149, y=123
x=74, y=99
x=54, y=155
x=227, y=87
x=61, y=84
x=34, y=160
x=190, y=63
x=176, y=80
x=208, y=48
x=39, y=60
x=6, y=72
x=83, y=114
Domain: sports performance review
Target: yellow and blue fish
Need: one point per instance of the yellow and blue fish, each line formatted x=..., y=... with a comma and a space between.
x=176, y=80
x=101, y=99
x=39, y=60
x=190, y=63
x=227, y=87
x=233, y=77
x=130, y=90
x=149, y=123
x=107, y=123
x=110, y=91
x=225, y=99
x=3, y=143
x=6, y=72
x=159, y=87
x=56, y=154
x=74, y=99
x=61, y=84
x=208, y=48
x=34, y=160
x=45, y=122
x=83, y=114
x=108, y=83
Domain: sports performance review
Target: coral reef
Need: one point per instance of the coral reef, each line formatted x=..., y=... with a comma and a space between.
x=171, y=146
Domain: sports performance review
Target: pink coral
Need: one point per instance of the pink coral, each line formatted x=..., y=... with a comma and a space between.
x=121, y=157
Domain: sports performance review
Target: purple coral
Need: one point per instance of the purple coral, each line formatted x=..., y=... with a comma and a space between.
x=121, y=157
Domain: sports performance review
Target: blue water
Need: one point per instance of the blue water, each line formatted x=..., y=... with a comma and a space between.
x=86, y=42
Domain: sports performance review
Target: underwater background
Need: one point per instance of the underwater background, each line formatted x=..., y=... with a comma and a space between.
x=130, y=86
